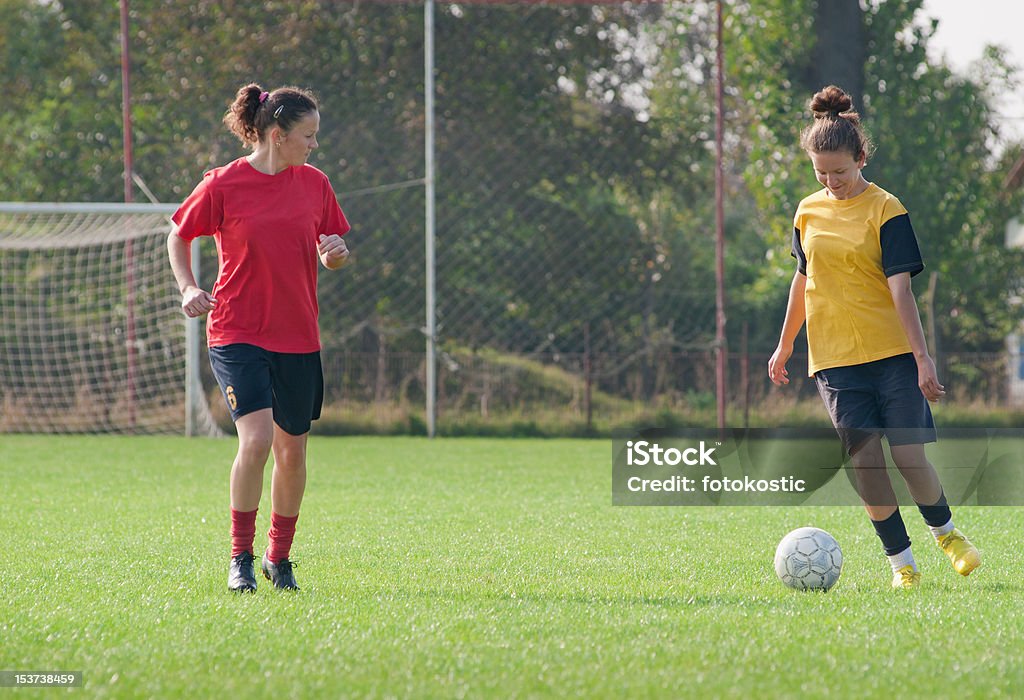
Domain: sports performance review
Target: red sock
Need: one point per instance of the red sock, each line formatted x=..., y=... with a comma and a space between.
x=243, y=531
x=282, y=531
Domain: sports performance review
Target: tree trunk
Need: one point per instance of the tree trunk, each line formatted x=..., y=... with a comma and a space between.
x=839, y=51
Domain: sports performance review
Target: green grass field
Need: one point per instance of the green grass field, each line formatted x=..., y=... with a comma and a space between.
x=470, y=568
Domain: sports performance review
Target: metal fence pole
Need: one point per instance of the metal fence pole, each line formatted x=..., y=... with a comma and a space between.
x=428, y=158
x=720, y=343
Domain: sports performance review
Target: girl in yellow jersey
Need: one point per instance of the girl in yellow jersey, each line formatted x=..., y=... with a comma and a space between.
x=856, y=252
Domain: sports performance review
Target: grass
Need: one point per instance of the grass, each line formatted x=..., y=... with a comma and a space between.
x=471, y=568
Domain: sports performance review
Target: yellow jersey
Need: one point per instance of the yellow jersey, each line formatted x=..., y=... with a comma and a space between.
x=848, y=248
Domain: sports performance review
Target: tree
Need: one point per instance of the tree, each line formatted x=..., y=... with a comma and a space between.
x=936, y=135
x=839, y=48
x=574, y=144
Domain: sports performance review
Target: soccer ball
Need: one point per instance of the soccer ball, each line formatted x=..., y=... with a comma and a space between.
x=809, y=559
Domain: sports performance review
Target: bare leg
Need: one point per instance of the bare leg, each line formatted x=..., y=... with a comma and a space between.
x=872, y=480
x=923, y=484
x=921, y=477
x=255, y=435
x=288, y=481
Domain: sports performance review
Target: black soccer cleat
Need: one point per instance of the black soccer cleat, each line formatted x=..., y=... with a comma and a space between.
x=242, y=573
x=280, y=574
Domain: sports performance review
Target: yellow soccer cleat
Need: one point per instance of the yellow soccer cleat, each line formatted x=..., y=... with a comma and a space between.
x=906, y=578
x=961, y=552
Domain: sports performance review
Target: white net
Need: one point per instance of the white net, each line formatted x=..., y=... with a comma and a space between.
x=92, y=338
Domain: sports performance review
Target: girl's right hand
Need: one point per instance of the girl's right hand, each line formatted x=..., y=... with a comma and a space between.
x=195, y=302
x=777, y=365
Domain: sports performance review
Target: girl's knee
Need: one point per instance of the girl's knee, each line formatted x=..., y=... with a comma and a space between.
x=255, y=447
x=290, y=459
x=910, y=457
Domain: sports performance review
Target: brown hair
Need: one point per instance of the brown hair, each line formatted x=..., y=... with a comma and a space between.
x=836, y=126
x=249, y=117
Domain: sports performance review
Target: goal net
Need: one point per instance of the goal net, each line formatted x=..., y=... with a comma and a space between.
x=92, y=338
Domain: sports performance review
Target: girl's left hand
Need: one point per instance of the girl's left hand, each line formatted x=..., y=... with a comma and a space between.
x=333, y=251
x=928, y=380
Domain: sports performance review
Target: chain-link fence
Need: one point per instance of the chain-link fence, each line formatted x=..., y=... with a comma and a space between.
x=574, y=199
x=574, y=232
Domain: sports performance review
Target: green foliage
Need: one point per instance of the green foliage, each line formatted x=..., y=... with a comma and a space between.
x=937, y=146
x=547, y=171
x=937, y=150
x=575, y=150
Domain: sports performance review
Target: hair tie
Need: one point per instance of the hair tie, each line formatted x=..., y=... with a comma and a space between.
x=263, y=96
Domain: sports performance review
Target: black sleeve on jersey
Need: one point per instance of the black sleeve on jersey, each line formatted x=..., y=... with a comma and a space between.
x=900, y=252
x=798, y=252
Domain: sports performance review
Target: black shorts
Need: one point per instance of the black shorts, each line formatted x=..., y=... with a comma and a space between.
x=877, y=398
x=252, y=379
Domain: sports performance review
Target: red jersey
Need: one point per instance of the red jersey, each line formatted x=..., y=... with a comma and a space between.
x=267, y=228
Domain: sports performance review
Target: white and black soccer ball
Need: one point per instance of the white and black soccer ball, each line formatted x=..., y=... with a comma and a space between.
x=809, y=559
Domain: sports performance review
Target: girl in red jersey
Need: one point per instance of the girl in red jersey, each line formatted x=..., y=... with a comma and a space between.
x=272, y=216
x=856, y=252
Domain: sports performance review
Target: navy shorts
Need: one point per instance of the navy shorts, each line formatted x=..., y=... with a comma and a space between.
x=877, y=398
x=251, y=379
